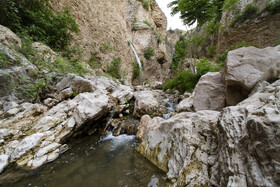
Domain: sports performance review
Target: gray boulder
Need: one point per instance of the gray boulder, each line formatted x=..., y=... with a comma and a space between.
x=245, y=67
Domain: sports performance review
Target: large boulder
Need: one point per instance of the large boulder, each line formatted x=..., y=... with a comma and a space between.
x=237, y=147
x=249, y=140
x=146, y=103
x=8, y=37
x=210, y=92
x=245, y=67
x=182, y=146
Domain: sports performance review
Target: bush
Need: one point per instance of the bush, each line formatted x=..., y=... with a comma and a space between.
x=106, y=47
x=186, y=80
x=230, y=5
x=149, y=53
x=147, y=4
x=114, y=68
x=38, y=20
x=136, y=70
x=93, y=62
x=250, y=12
x=273, y=7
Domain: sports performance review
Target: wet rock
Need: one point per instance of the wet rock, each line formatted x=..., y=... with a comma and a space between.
x=146, y=103
x=245, y=67
x=209, y=92
x=8, y=38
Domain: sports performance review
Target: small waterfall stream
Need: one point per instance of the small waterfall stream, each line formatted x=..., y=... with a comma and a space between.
x=136, y=56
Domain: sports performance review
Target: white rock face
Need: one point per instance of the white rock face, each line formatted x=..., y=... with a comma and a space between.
x=26, y=144
x=145, y=103
x=34, y=134
x=249, y=141
x=209, y=92
x=8, y=38
x=181, y=145
x=123, y=94
x=245, y=67
x=4, y=161
x=237, y=147
x=186, y=105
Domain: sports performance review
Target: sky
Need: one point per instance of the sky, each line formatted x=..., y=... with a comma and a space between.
x=173, y=22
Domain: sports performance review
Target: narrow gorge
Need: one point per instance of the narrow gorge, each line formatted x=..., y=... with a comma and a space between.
x=100, y=93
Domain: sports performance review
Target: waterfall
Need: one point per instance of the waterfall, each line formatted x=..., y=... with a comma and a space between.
x=136, y=56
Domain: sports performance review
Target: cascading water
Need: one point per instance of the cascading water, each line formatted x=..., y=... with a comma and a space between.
x=136, y=56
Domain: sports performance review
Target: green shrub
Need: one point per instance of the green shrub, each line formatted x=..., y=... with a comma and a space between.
x=136, y=70
x=230, y=5
x=93, y=62
x=211, y=51
x=186, y=80
x=147, y=4
x=250, y=12
x=181, y=52
x=38, y=20
x=114, y=68
x=149, y=53
x=106, y=47
x=272, y=7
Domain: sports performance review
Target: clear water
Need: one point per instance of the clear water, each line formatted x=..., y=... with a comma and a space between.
x=110, y=161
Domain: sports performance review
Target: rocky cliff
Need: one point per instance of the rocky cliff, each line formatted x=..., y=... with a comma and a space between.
x=260, y=27
x=107, y=26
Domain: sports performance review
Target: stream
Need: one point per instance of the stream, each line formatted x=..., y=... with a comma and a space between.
x=109, y=161
x=95, y=161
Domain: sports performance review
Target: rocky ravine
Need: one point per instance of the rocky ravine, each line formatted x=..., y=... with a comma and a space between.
x=233, y=146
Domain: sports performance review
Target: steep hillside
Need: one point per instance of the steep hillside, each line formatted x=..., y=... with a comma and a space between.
x=107, y=26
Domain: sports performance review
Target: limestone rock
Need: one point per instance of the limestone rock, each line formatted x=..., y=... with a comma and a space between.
x=8, y=37
x=249, y=141
x=44, y=51
x=4, y=161
x=76, y=83
x=65, y=94
x=237, y=147
x=26, y=144
x=245, y=67
x=123, y=94
x=146, y=103
x=209, y=92
x=181, y=145
x=186, y=105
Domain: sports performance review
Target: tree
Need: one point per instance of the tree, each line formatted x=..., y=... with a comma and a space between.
x=196, y=10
